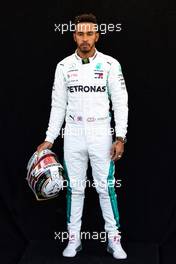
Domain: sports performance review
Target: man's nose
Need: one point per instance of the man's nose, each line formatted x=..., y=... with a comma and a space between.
x=85, y=37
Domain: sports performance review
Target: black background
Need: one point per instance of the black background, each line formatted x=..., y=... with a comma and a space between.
x=31, y=48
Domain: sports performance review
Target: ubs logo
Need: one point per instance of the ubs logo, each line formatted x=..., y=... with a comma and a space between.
x=98, y=75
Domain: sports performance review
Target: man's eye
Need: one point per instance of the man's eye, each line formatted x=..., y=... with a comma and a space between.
x=90, y=33
x=80, y=33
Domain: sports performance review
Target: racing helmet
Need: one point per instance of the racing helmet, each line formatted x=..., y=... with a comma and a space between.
x=45, y=175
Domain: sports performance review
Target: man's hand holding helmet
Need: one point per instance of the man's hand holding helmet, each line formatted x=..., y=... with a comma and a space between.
x=44, y=145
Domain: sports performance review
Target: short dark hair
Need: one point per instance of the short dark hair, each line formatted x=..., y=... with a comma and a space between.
x=85, y=18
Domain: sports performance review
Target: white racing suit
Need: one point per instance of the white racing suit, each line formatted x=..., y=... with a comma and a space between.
x=81, y=93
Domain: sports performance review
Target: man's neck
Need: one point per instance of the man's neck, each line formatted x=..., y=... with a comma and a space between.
x=86, y=55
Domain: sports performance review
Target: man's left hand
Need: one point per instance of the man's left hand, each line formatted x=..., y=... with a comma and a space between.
x=117, y=150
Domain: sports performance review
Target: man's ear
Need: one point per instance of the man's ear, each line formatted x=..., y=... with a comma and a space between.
x=74, y=36
x=97, y=36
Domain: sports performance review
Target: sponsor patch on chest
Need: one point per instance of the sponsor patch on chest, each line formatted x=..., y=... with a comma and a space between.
x=98, y=75
x=86, y=88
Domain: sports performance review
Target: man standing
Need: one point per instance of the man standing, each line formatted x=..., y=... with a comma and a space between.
x=84, y=84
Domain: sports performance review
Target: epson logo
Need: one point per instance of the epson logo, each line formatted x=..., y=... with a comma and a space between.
x=86, y=89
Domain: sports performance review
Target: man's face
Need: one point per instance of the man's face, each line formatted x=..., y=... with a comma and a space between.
x=86, y=36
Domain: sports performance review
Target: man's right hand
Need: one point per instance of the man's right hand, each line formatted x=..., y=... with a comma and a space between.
x=44, y=145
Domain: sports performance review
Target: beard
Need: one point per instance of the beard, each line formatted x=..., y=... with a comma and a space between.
x=85, y=47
